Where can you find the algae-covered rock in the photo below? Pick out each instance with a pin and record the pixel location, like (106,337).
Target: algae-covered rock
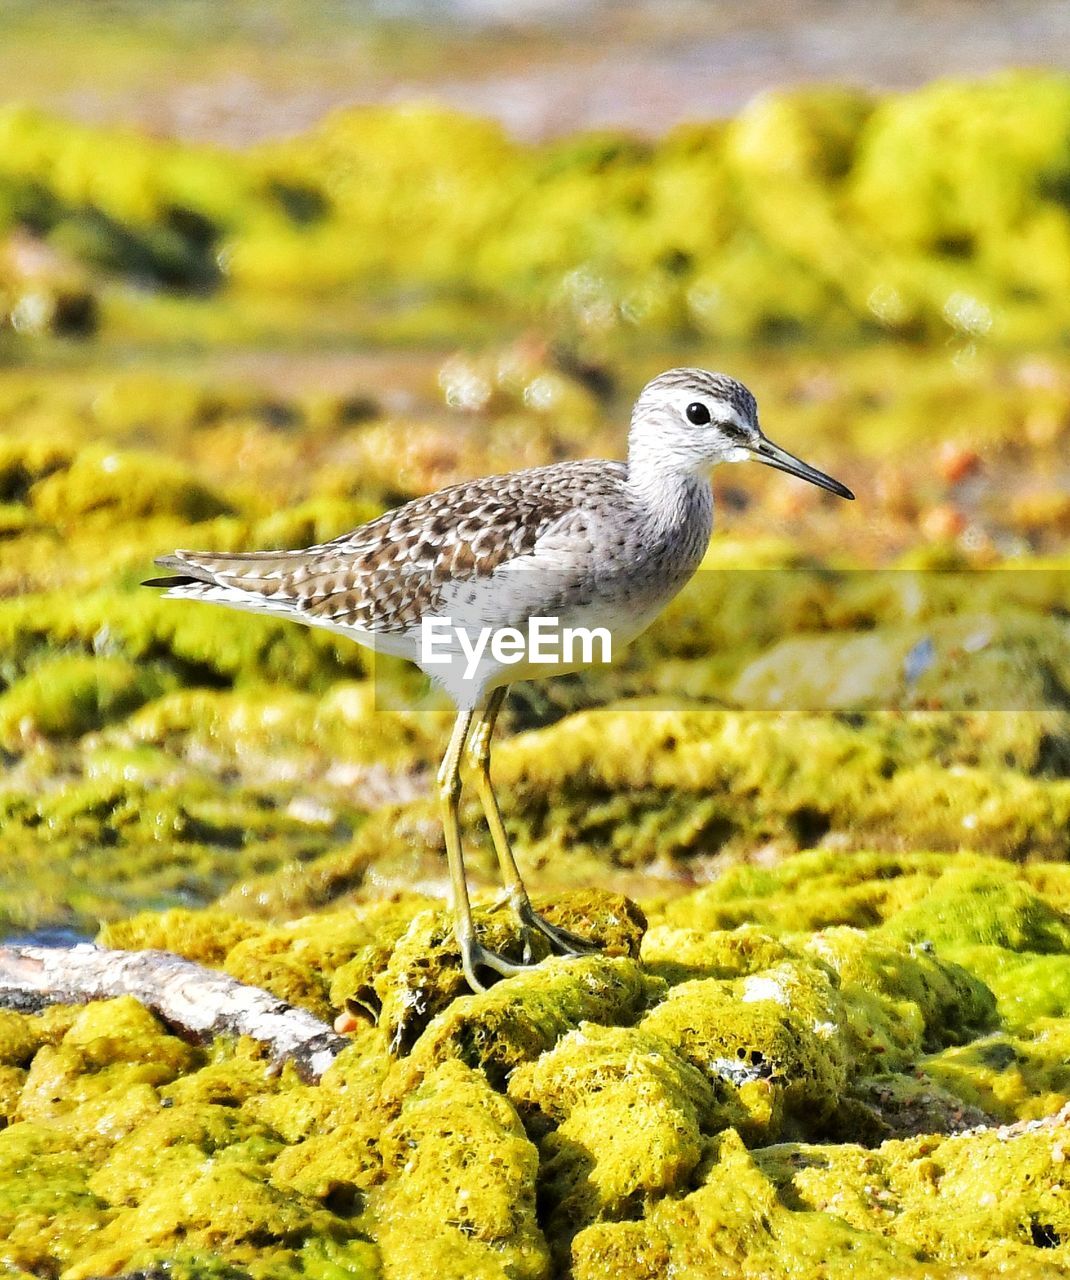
(993,1194)
(818,210)
(111,1048)
(48,1215)
(216,1206)
(592,1058)
(177,1142)
(517,1020)
(20,1037)
(621,1117)
(677,954)
(69,695)
(1009,1077)
(259,797)
(677,784)
(775,1035)
(987,661)
(735,1224)
(298,961)
(204,936)
(824,888)
(965,908)
(904,1105)
(221,645)
(459,1197)
(423,973)
(118,486)
(337,1160)
(934,1002)
(645,1114)
(912,1208)
(1027,987)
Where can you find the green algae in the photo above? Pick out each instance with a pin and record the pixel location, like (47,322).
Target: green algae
(1027,986)
(106,838)
(776,1035)
(143,626)
(119,485)
(603,1117)
(439,1211)
(765,1099)
(774,224)
(1021,664)
(506,1026)
(733,1222)
(1006,1076)
(967,908)
(67,696)
(793,1208)
(202,936)
(620,1117)
(298,961)
(681,783)
(423,973)
(862,890)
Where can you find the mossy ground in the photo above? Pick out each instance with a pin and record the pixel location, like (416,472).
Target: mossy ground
(764,1097)
(823,210)
(916,688)
(836,774)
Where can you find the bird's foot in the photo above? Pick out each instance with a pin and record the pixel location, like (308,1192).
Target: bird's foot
(474,956)
(561,940)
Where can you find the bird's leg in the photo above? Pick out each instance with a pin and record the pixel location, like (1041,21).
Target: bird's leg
(473,955)
(561,940)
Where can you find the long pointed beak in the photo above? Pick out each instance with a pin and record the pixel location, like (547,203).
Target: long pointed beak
(773,456)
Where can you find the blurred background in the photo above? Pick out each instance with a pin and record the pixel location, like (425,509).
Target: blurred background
(268,268)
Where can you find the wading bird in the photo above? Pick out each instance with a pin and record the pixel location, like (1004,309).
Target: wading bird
(597,544)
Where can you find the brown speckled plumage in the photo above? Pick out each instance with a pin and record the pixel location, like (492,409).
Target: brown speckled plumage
(385,575)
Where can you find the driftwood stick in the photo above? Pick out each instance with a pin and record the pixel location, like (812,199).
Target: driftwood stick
(198,1002)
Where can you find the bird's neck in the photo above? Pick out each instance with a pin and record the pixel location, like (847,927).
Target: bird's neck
(673,497)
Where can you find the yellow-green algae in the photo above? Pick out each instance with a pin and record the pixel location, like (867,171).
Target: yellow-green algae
(897,980)
(264,748)
(821,209)
(749,1105)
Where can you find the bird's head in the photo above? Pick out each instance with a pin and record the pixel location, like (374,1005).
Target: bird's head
(691,420)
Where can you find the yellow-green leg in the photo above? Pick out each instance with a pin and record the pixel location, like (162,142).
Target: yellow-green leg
(561,940)
(473,955)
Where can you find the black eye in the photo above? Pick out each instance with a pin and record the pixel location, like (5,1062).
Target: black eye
(698,414)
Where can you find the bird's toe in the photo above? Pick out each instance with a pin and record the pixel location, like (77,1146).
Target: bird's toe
(564,942)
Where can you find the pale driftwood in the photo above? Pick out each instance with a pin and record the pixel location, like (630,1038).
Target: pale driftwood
(200,1003)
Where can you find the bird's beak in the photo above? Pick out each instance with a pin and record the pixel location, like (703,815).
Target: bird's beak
(773,456)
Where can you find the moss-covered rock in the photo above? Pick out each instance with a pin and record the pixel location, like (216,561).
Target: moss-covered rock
(644,1113)
(621,1116)
(459,1196)
(967,908)
(259,798)
(67,696)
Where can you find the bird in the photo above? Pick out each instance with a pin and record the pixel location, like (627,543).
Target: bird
(588,543)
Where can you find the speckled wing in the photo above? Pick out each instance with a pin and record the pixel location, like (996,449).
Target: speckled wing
(382,577)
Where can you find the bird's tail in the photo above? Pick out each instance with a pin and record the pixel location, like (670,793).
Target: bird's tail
(223,576)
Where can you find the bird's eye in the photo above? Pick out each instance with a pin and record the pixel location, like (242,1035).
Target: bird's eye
(697,414)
